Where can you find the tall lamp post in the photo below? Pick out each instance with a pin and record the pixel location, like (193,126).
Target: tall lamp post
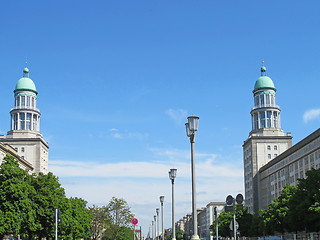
(157,233)
(152,230)
(172,175)
(155,227)
(161,201)
(191,128)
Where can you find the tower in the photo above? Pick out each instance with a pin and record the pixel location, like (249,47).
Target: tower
(24,135)
(266,140)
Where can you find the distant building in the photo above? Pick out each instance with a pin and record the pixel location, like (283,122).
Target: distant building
(24,135)
(205,219)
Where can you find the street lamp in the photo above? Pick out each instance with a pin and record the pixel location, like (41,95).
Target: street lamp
(152,230)
(161,201)
(157,232)
(155,227)
(172,175)
(191,128)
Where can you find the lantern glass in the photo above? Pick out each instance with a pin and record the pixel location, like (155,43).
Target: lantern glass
(193,123)
(188,130)
(172,173)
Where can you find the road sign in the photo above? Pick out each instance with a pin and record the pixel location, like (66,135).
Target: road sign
(229,200)
(231,225)
(134,221)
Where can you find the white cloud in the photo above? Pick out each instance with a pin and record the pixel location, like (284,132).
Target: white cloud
(178,115)
(115,133)
(311,115)
(141,183)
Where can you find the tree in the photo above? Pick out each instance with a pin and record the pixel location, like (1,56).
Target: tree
(50,195)
(224,220)
(76,220)
(179,235)
(17,210)
(120,219)
(100,220)
(277,214)
(305,206)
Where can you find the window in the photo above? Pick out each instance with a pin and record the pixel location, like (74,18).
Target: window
(261,100)
(269,156)
(23,101)
(256,121)
(22,157)
(28,101)
(22,149)
(15,122)
(16,149)
(275,119)
(256,101)
(22,121)
(18,101)
(269,147)
(275,147)
(28,121)
(272,100)
(262,120)
(32,102)
(275,155)
(269,119)
(268,99)
(34,122)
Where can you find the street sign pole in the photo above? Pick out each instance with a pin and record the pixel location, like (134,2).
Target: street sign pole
(56,223)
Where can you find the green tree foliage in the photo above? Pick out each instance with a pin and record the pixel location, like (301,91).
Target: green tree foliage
(120,218)
(27,204)
(277,214)
(16,208)
(304,212)
(100,221)
(179,235)
(76,220)
(50,195)
(224,220)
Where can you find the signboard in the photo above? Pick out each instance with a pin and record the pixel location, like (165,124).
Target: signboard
(134,221)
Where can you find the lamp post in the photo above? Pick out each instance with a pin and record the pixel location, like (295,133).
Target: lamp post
(191,128)
(157,232)
(172,175)
(161,201)
(152,230)
(155,227)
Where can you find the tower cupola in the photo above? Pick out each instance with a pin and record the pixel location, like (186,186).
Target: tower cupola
(25,116)
(265,113)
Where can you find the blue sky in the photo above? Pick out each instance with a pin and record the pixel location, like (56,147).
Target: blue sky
(117,80)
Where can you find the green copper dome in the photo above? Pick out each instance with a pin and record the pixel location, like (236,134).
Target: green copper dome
(25,83)
(264,82)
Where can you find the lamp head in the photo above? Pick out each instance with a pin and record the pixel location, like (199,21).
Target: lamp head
(161,199)
(157,211)
(172,173)
(193,122)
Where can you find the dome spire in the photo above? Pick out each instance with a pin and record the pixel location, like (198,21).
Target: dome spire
(26,71)
(263,70)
